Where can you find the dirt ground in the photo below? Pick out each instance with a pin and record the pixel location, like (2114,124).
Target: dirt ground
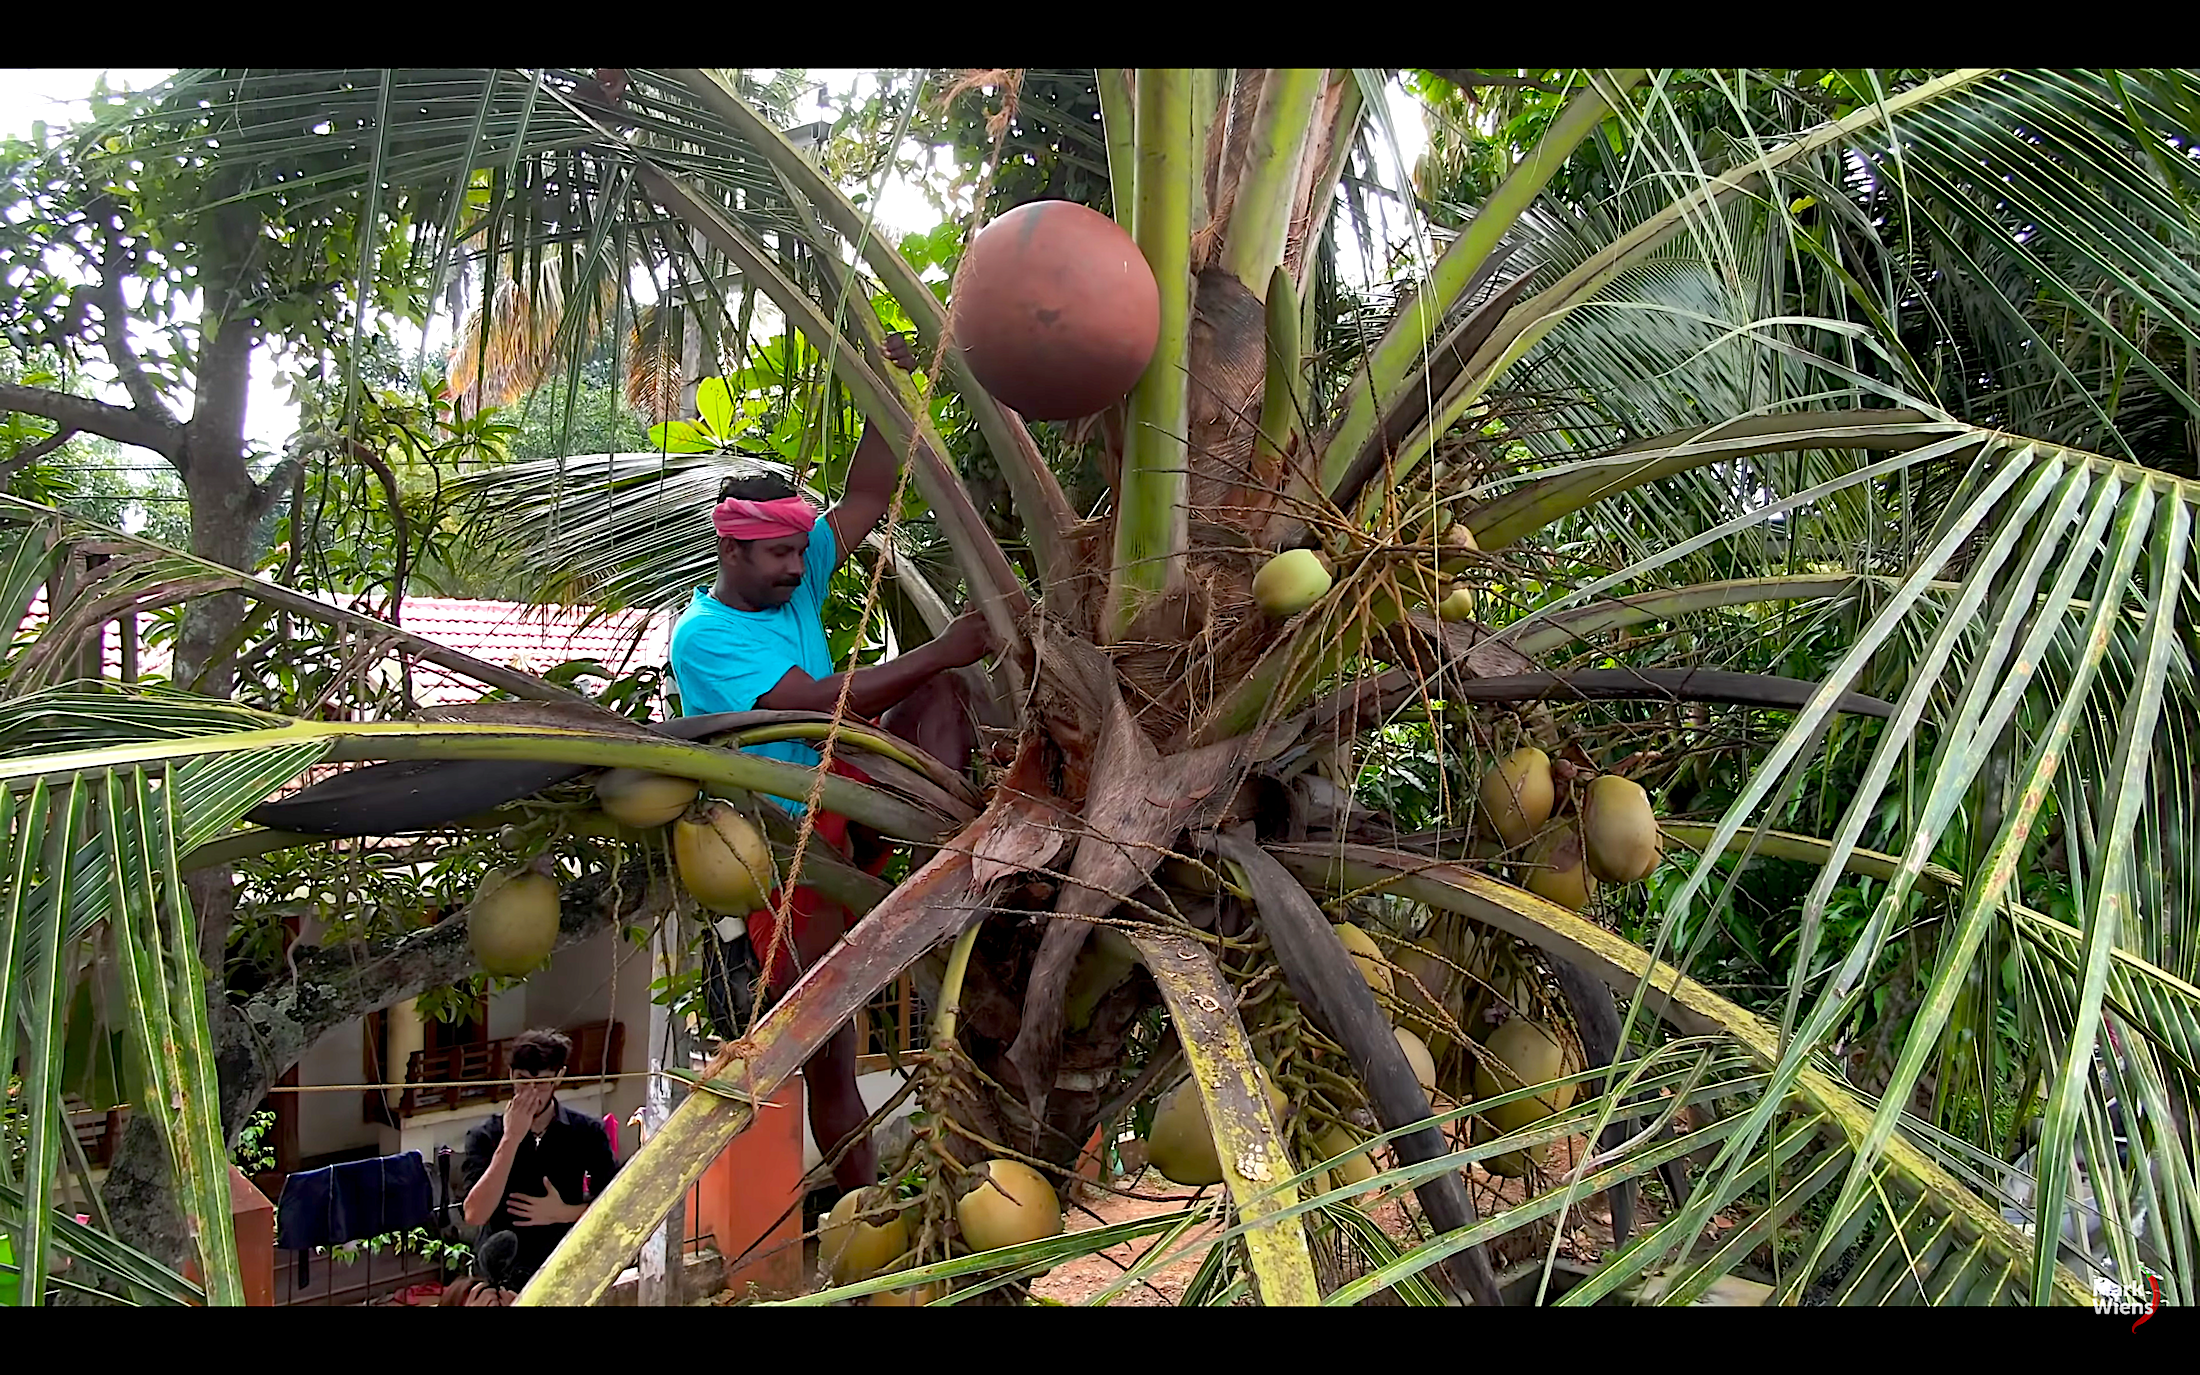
(1588,1232)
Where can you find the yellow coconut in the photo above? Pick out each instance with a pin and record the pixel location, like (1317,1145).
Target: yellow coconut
(854,1249)
(723,860)
(1366,954)
(1181,1145)
(1619,830)
(1009,1205)
(1459,537)
(512,923)
(1456,605)
(907,1298)
(1517,794)
(1555,870)
(643,800)
(1424,1064)
(1535,1056)
(1291,582)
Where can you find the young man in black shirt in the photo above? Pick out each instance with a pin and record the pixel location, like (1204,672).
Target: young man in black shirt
(526,1167)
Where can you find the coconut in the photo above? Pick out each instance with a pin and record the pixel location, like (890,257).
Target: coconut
(1424,1064)
(1505,1164)
(1106,961)
(1517,794)
(1534,1056)
(1619,830)
(1459,536)
(1511,990)
(854,1250)
(1555,870)
(1291,582)
(1367,955)
(1011,1204)
(906,1298)
(1356,1167)
(512,923)
(723,859)
(643,800)
(1181,1145)
(1456,605)
(1422,1016)
(1055,310)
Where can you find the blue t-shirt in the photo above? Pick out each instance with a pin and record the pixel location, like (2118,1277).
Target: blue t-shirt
(724,659)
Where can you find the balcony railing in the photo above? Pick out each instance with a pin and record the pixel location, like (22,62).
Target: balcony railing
(461,1076)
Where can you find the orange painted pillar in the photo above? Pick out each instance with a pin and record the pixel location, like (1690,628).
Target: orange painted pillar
(1092,1162)
(252,1216)
(750,1199)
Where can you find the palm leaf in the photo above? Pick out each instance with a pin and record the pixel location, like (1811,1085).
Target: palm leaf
(1922,1210)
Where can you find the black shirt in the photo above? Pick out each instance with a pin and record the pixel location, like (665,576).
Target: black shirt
(571,1146)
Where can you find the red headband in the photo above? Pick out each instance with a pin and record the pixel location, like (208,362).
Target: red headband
(735,518)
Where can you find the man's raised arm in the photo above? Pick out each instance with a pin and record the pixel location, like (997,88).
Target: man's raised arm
(871,474)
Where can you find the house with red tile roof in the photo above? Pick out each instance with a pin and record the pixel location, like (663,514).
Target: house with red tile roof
(533,639)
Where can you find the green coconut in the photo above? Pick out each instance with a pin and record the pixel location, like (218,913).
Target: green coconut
(1456,605)
(1505,1164)
(1619,830)
(1181,1145)
(1107,960)
(724,861)
(1291,582)
(1517,794)
(1010,1204)
(641,799)
(1357,1167)
(853,1249)
(512,923)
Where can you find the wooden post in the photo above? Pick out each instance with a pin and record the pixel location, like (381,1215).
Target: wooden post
(663,1263)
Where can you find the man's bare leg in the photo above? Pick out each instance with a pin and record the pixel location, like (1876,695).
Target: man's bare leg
(836,1107)
(934,719)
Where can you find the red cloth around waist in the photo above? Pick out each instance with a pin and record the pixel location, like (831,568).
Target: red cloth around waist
(781,967)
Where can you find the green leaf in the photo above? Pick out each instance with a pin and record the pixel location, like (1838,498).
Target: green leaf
(680,437)
(714,402)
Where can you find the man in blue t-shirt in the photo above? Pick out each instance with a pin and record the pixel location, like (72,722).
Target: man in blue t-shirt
(755,639)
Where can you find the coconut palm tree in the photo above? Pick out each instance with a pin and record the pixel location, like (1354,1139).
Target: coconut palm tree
(1677,421)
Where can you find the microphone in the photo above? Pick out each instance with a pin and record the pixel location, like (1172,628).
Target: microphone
(499,1257)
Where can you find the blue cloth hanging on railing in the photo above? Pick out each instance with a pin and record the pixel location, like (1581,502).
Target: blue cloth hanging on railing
(351,1202)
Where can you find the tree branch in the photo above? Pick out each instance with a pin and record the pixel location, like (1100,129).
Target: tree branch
(280,1023)
(31,453)
(124,424)
(105,291)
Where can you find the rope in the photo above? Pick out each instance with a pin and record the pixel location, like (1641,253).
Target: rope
(998,127)
(580,1082)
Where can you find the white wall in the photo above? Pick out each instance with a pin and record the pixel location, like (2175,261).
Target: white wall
(330,1122)
(578,986)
